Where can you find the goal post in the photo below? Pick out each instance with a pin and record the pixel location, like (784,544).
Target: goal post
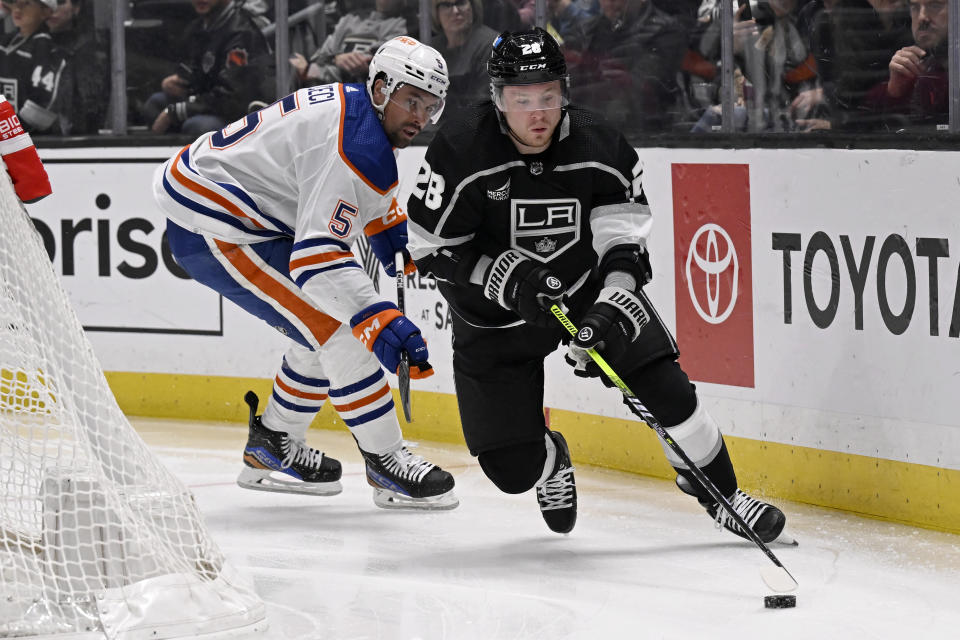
(97,538)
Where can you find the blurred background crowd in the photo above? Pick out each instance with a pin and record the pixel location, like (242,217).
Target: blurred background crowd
(649,66)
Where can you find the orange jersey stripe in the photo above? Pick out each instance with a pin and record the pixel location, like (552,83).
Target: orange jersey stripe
(319,258)
(207,193)
(370,399)
(296,392)
(343,156)
(320,324)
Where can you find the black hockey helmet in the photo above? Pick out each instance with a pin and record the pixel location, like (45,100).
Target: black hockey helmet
(526,57)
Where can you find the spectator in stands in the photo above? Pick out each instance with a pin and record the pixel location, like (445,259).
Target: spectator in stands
(526,13)
(624,64)
(917,90)
(504,15)
(852,41)
(225,67)
(85,80)
(30,65)
(346,53)
(685,11)
(6,21)
(565,17)
(464,43)
(776,62)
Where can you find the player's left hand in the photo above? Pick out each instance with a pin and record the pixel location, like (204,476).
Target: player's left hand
(609,326)
(387,235)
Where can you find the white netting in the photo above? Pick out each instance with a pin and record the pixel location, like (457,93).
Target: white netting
(96,536)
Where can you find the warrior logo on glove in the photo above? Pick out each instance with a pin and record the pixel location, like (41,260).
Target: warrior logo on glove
(585,334)
(554,282)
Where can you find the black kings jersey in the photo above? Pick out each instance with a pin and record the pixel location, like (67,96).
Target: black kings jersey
(30,71)
(476,196)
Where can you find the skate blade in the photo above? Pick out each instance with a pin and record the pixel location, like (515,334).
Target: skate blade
(786,539)
(386,499)
(264,480)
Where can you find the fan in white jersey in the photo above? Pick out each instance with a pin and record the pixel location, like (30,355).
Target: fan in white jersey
(265,212)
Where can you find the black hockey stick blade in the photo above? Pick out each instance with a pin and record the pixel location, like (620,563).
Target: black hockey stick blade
(403,377)
(776,577)
(403,371)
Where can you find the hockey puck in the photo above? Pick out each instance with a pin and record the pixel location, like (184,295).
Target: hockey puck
(780,602)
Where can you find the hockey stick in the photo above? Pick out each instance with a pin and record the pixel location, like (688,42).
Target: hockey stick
(778,578)
(403,372)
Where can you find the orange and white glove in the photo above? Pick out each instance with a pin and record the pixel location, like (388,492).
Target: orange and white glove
(26,171)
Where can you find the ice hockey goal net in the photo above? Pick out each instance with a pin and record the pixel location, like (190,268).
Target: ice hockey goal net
(97,538)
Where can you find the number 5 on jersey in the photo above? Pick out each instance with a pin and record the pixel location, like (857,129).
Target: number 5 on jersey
(430,186)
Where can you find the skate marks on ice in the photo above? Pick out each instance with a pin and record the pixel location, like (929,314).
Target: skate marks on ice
(644,561)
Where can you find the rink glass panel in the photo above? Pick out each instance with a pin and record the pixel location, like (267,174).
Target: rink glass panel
(662,83)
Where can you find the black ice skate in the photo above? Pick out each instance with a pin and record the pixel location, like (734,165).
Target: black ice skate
(273,461)
(557,494)
(403,480)
(766,520)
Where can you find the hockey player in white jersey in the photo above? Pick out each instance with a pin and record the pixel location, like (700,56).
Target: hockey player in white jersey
(265,212)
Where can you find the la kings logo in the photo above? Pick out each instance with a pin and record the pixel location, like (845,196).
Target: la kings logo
(544,229)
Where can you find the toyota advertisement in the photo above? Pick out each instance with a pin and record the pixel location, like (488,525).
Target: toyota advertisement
(712,266)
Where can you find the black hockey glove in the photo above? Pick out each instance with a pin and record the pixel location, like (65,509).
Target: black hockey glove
(609,326)
(524,287)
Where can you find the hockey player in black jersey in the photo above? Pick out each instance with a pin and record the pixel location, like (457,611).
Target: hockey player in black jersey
(547,206)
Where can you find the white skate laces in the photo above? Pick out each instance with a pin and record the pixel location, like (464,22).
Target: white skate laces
(405,465)
(557,491)
(297,452)
(750,509)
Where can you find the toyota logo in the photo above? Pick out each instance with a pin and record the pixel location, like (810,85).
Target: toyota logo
(719,255)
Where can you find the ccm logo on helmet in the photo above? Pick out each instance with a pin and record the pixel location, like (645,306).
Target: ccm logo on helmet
(533,67)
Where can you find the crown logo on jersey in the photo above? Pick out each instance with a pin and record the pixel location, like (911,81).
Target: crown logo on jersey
(545,245)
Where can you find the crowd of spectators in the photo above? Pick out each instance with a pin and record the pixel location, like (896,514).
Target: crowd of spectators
(649,66)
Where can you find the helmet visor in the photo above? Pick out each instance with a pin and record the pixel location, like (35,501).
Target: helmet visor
(429,107)
(531,97)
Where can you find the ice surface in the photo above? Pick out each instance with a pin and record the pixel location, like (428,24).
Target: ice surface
(644,561)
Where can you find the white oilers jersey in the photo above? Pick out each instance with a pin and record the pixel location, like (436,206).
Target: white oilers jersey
(315,166)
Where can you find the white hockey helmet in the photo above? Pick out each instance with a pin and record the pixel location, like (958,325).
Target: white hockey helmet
(405,60)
